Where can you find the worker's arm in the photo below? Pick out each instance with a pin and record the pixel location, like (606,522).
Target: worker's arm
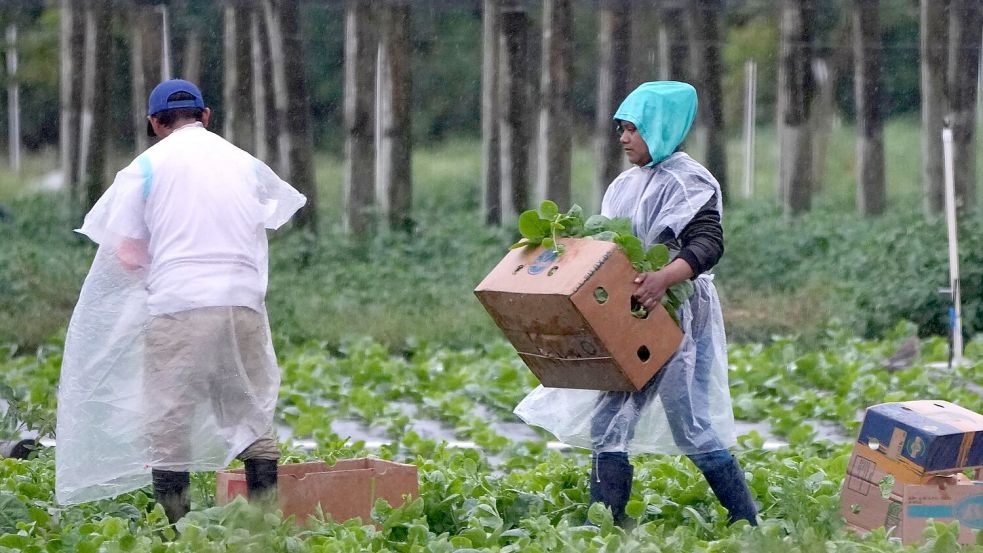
(132,254)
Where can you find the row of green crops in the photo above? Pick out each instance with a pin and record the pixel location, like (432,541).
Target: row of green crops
(511,494)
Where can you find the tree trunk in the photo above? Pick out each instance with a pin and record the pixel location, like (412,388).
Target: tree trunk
(278,72)
(934,39)
(867,43)
(555,115)
(674,54)
(144,66)
(13,98)
(230,74)
(613,64)
(192,56)
(260,66)
(709,70)
(72,43)
(794,98)
(360,140)
(642,53)
(515,112)
(237,78)
(490,139)
(297,123)
(966,31)
(95,100)
(394,184)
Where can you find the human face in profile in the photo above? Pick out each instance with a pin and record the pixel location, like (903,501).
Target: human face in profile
(631,140)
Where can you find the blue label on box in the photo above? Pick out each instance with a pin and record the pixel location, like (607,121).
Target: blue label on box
(543,262)
(927,440)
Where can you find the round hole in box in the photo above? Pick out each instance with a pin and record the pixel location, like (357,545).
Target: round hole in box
(600,295)
(553,269)
(517,269)
(638,310)
(644,354)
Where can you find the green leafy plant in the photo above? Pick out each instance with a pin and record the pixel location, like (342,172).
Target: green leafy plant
(545,226)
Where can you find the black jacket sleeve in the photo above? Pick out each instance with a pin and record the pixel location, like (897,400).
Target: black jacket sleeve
(702,240)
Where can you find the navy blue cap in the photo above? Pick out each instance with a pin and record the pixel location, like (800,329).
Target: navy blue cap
(158,98)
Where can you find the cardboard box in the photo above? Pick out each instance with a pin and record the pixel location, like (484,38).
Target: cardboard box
(569,316)
(345,490)
(928,437)
(907,507)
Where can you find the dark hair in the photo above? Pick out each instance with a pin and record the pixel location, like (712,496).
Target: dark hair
(168,117)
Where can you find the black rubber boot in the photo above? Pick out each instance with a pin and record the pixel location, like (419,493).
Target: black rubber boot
(261,478)
(610,483)
(728,483)
(171,490)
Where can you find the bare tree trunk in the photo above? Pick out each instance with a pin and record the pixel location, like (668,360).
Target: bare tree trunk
(394,179)
(643,28)
(278,71)
(95,111)
(966,28)
(673,32)
(515,109)
(230,74)
(13,98)
(360,140)
(555,116)
(260,63)
(490,139)
(709,70)
(794,99)
(613,64)
(192,56)
(934,39)
(72,63)
(297,123)
(867,43)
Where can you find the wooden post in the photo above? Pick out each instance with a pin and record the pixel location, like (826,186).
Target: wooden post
(708,66)
(750,120)
(613,68)
(515,110)
(259,63)
(360,56)
(279,78)
(230,73)
(297,123)
(555,115)
(95,111)
(934,55)
(490,142)
(72,47)
(867,43)
(394,185)
(966,29)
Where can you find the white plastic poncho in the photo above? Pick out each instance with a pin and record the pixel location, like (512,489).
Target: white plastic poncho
(168,201)
(687,408)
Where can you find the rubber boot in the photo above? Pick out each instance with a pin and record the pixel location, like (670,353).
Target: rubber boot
(726,479)
(171,490)
(261,479)
(610,483)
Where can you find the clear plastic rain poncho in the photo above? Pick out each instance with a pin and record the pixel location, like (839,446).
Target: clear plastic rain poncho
(686,408)
(135,393)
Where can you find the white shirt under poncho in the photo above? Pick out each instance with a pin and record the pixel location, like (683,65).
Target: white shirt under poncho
(667,195)
(198,207)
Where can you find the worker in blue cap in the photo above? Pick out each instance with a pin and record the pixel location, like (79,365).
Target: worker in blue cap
(168,366)
(670,199)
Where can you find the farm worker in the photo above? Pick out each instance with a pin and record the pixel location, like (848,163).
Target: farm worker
(673,200)
(168,365)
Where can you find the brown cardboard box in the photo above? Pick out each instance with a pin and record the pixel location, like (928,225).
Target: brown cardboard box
(345,490)
(569,316)
(912,499)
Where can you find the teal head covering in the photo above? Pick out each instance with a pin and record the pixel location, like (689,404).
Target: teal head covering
(663,112)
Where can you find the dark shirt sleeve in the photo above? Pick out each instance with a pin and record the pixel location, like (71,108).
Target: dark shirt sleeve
(702,240)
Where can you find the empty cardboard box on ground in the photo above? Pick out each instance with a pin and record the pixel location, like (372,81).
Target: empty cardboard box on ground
(345,490)
(570,316)
(899,440)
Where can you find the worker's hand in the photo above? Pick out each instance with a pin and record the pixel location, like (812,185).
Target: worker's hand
(651,287)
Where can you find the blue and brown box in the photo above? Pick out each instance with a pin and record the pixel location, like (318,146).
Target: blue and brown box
(925,437)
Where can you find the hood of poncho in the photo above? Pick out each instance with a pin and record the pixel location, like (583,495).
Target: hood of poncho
(663,112)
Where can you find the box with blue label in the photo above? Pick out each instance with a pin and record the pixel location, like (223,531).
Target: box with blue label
(925,437)
(570,316)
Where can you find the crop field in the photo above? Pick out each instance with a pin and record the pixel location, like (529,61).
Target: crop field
(509,491)
(384,351)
